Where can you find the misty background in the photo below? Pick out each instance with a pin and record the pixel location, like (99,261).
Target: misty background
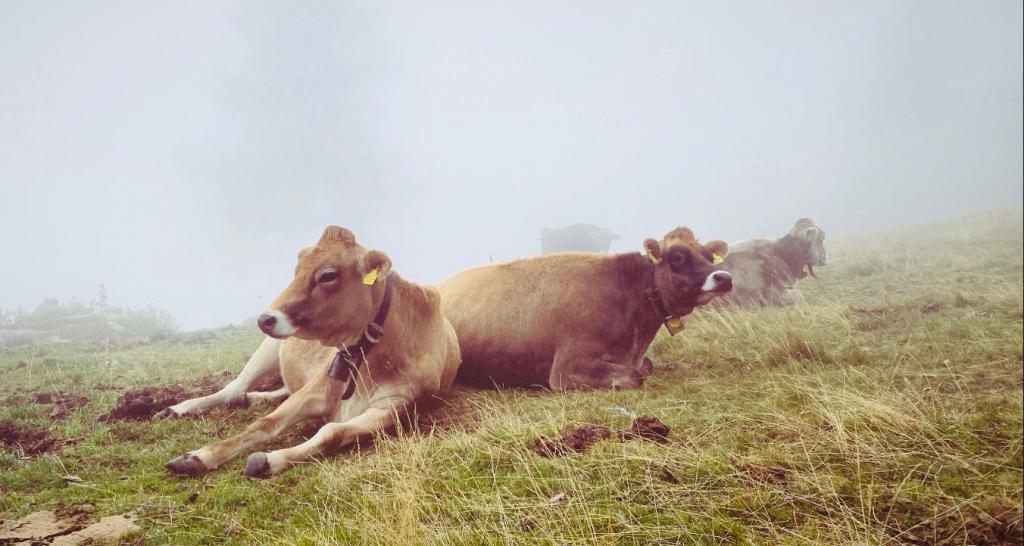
(182,152)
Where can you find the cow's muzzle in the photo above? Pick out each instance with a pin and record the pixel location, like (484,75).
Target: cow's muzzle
(275,324)
(718,282)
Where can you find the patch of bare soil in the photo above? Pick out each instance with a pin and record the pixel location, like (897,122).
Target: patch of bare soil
(871,310)
(971,527)
(68,526)
(580,439)
(142,404)
(268,383)
(648,428)
(28,440)
(573,441)
(878,311)
(910,523)
(63,403)
(772,475)
(998,527)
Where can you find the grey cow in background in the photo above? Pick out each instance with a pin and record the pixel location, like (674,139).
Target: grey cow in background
(576,238)
(766,271)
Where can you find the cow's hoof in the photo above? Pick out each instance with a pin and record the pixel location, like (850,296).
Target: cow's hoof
(647,368)
(166,413)
(632,381)
(187,465)
(257,466)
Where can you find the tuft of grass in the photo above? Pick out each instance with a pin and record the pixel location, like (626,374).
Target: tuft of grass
(865,415)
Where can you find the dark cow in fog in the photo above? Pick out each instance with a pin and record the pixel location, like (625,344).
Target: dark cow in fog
(578,320)
(576,238)
(765,271)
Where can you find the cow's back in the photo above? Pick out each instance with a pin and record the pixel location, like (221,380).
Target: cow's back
(510,317)
(755,276)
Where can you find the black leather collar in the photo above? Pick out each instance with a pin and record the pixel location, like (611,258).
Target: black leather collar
(672,323)
(347,360)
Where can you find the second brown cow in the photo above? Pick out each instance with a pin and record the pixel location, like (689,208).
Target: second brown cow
(578,320)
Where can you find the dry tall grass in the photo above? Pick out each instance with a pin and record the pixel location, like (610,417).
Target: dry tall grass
(884,409)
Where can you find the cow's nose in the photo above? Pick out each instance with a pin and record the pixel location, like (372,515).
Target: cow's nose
(267,322)
(723,280)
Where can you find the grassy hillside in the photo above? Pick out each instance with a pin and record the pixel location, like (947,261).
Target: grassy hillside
(885,409)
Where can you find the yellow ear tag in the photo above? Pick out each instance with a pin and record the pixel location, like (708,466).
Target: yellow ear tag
(370,277)
(652,258)
(674,325)
(717,260)
(807,269)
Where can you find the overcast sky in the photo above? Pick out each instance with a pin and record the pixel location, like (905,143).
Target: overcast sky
(182,152)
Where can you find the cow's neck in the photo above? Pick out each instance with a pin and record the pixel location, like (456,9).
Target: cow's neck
(794,254)
(352,356)
(646,317)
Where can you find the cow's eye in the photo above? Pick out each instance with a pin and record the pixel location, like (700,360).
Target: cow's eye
(327,275)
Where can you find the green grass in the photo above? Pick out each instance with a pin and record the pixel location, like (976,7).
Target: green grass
(890,425)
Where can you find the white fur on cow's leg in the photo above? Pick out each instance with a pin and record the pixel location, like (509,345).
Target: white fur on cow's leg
(330,438)
(792,296)
(263,397)
(586,372)
(309,401)
(263,362)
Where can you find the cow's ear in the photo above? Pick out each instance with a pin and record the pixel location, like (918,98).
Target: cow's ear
(653,249)
(303,251)
(375,266)
(719,248)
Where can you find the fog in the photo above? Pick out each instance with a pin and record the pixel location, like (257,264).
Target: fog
(182,152)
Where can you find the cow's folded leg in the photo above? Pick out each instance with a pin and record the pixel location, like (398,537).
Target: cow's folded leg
(328,440)
(309,401)
(263,363)
(581,373)
(646,367)
(265,397)
(792,296)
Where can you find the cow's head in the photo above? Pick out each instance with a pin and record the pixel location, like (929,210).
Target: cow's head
(331,297)
(803,247)
(685,271)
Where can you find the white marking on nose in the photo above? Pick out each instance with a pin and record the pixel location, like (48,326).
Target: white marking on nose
(283,327)
(713,282)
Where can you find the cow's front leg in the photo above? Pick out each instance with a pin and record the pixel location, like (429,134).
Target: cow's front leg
(792,296)
(263,363)
(267,397)
(314,399)
(328,440)
(579,370)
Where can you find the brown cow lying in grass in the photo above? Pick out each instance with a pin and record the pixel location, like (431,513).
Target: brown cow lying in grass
(765,272)
(340,297)
(577,320)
